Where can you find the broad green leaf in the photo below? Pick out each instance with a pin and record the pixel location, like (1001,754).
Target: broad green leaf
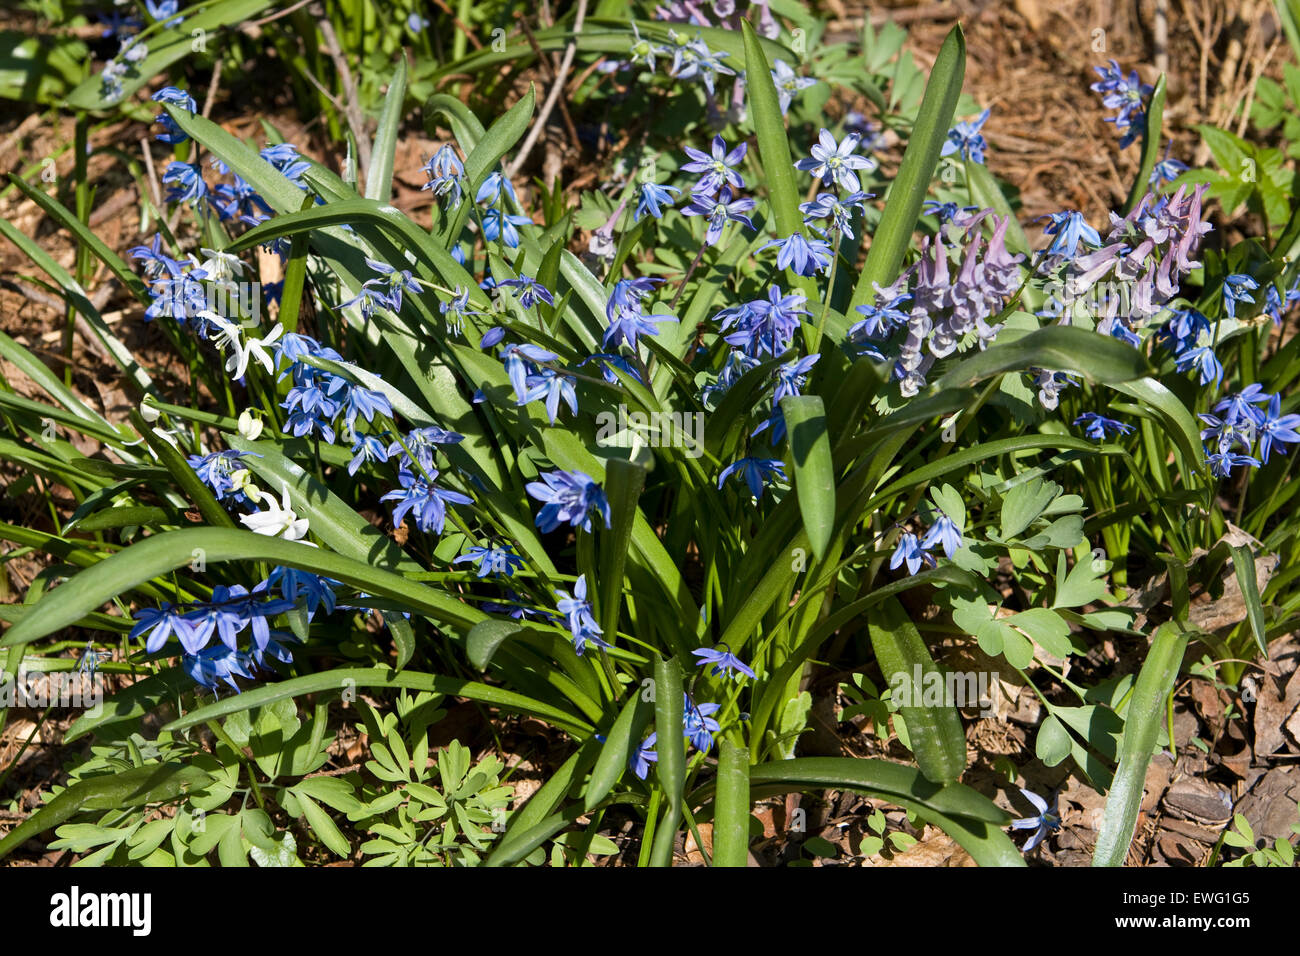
(814,473)
(731,807)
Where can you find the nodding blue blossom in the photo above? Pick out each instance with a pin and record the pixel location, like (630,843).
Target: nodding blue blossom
(419,496)
(164,11)
(863,128)
(881,319)
(285,158)
(494,187)
(718,212)
(627,320)
(1124,94)
(367,448)
(1046,821)
(493,560)
(757,473)
(185,184)
(216,665)
(692,59)
(723,661)
(1097,427)
(1222,463)
(518,360)
(699,725)
(530,291)
(305,589)
(652,197)
(834,163)
(422,443)
(718,169)
(552,387)
(946,211)
(911,552)
(792,376)
(161,623)
(172,133)
(838,211)
(446,173)
(231,610)
(1203,361)
(765,325)
(1050,385)
(608,363)
(1236,289)
(1069,228)
(806,257)
(645,755)
(156,262)
(577,614)
(1183,331)
(967,140)
(1277,429)
(788,83)
(946,533)
(570,497)
(383,291)
(499,225)
(215,471)
(455,310)
(1276,303)
(1166,171)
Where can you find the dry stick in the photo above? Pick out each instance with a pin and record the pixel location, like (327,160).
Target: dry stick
(1160,36)
(1254,80)
(149,170)
(556,89)
(352,110)
(249,27)
(460,25)
(212,89)
(550,70)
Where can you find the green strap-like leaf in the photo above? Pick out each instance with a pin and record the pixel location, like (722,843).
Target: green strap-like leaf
(1141,730)
(379,177)
(671,765)
(731,807)
(814,473)
(907,194)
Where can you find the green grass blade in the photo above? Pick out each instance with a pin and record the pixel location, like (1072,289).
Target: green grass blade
(731,807)
(379,177)
(671,765)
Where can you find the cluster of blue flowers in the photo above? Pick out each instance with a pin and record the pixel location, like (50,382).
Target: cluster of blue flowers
(232,610)
(914,552)
(1126,94)
(1248,421)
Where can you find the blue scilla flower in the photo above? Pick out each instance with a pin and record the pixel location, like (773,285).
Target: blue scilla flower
(1244,405)
(1183,331)
(285,158)
(1222,463)
(160,623)
(305,589)
(766,325)
(756,473)
(494,186)
(1044,822)
(367,448)
(456,310)
(1204,362)
(835,163)
(946,533)
(1069,229)
(911,552)
(552,387)
(838,211)
(499,225)
(645,755)
(805,256)
(445,172)
(652,199)
(1124,94)
(723,661)
(1228,434)
(215,469)
(579,618)
(792,376)
(156,262)
(967,140)
(718,212)
(882,318)
(423,499)
(788,83)
(423,443)
(608,363)
(518,361)
(1277,429)
(569,497)
(1097,427)
(718,168)
(172,133)
(699,724)
(185,184)
(530,291)
(216,665)
(493,560)
(1237,288)
(1166,171)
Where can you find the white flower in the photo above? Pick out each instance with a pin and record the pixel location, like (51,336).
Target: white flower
(249,426)
(221,266)
(278,520)
(149,413)
(237,363)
